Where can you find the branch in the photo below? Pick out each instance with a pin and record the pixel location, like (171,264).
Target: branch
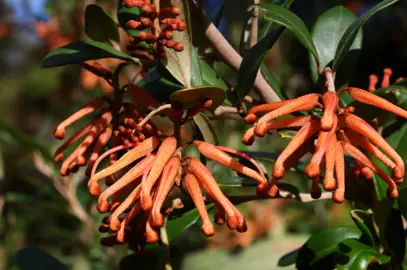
(233,59)
(254,25)
(301,197)
(330,84)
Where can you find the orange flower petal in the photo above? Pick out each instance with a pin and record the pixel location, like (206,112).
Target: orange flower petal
(164,153)
(86,109)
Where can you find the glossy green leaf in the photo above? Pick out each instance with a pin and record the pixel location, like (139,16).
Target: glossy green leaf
(159,85)
(289,258)
(252,60)
(178,225)
(203,74)
(357,256)
(365,222)
(196,75)
(35,259)
(206,128)
(350,34)
(321,248)
(99,26)
(179,64)
(271,80)
(288,19)
(326,34)
(78,52)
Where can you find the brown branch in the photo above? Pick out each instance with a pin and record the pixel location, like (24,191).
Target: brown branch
(233,59)
(254,25)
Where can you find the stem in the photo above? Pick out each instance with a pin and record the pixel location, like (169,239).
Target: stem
(153,112)
(233,59)
(330,82)
(177,131)
(166,244)
(254,24)
(157,28)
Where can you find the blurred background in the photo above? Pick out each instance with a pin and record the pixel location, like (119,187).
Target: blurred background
(40,209)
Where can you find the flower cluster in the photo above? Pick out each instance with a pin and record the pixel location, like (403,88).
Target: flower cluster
(152,169)
(337,132)
(160,35)
(97,133)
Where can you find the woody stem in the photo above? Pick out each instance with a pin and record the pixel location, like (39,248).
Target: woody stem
(157,28)
(166,244)
(153,112)
(117,95)
(330,81)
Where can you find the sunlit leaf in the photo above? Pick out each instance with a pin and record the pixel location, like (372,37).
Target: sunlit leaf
(179,64)
(326,34)
(288,19)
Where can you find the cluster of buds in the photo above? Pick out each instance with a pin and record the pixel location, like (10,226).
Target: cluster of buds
(138,206)
(337,132)
(159,34)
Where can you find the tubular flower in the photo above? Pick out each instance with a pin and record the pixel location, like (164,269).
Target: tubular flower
(95,135)
(337,132)
(158,34)
(373,79)
(153,167)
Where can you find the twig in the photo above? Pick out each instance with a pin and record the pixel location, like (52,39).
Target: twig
(67,188)
(166,243)
(233,59)
(302,197)
(254,25)
(153,112)
(330,84)
(157,28)
(225,110)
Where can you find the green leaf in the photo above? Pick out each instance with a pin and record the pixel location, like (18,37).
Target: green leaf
(288,19)
(326,34)
(179,64)
(357,256)
(289,258)
(251,62)
(206,128)
(178,225)
(203,74)
(35,259)
(350,34)
(320,249)
(99,26)
(196,75)
(271,79)
(159,85)
(365,222)
(78,52)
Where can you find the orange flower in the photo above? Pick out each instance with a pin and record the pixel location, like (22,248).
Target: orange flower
(156,166)
(338,131)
